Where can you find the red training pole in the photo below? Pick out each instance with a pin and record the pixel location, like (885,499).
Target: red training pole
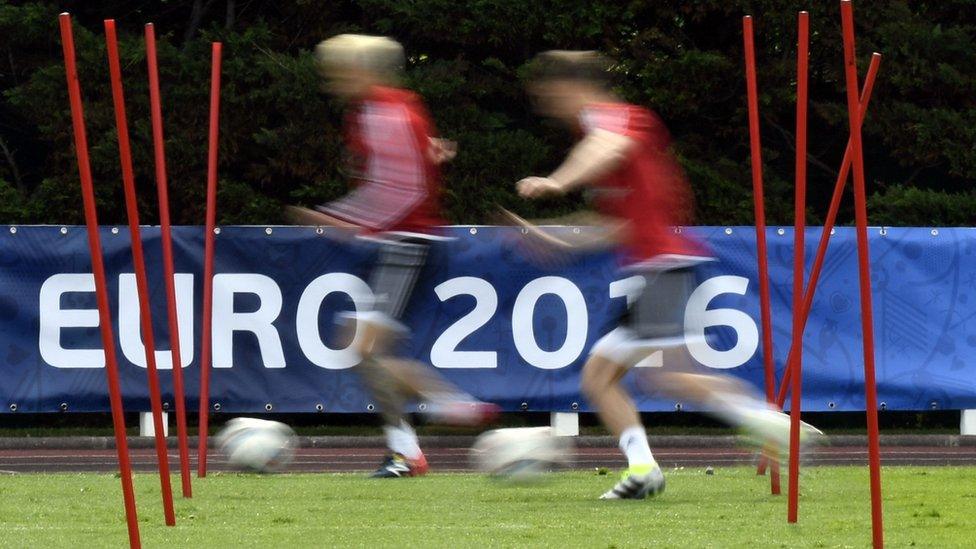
(829,224)
(799,225)
(101,287)
(208,258)
(162,190)
(818,260)
(139,265)
(760,212)
(863,257)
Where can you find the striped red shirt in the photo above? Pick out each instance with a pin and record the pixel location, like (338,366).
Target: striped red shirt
(398,190)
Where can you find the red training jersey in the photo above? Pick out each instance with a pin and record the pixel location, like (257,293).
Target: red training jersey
(388,133)
(648,189)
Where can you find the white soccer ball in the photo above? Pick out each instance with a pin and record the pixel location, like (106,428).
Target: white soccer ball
(520,454)
(257,445)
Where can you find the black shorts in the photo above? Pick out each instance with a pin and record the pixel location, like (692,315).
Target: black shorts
(658,313)
(655,315)
(400,261)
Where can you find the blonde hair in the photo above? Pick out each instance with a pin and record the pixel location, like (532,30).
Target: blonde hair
(377,54)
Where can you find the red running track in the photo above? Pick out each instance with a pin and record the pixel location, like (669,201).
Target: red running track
(456,459)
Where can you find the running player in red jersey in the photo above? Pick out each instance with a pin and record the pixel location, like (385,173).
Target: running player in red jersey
(641,194)
(390,141)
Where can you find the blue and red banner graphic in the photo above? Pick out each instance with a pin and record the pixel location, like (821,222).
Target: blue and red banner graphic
(490,319)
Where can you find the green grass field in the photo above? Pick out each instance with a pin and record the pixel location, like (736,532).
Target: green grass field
(925,507)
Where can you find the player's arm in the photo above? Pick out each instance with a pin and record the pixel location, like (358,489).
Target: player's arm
(611,231)
(597,154)
(305,216)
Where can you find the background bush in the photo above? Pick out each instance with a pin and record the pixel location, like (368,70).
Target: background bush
(280,133)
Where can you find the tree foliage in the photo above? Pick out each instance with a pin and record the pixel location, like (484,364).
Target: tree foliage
(280,136)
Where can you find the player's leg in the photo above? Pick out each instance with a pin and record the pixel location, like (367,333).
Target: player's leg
(659,315)
(601,383)
(654,319)
(736,403)
(445,402)
(398,380)
(405,458)
(391,281)
(402,262)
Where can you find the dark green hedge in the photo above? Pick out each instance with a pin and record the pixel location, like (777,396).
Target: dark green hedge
(279,133)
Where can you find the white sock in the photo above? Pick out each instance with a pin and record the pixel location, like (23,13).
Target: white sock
(403,440)
(633,443)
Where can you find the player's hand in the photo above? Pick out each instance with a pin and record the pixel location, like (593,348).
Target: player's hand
(536,187)
(534,243)
(441,150)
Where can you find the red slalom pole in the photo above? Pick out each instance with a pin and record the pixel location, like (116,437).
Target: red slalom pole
(829,222)
(831,218)
(208,259)
(139,265)
(799,225)
(864,271)
(162,190)
(760,213)
(101,287)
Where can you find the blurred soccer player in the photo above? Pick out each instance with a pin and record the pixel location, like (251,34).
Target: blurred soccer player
(389,138)
(640,194)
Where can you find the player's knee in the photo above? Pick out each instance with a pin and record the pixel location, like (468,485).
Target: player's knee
(371,343)
(364,351)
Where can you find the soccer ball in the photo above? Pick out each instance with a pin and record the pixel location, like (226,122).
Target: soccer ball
(257,445)
(520,454)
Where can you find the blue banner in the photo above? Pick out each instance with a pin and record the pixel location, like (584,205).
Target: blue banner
(500,326)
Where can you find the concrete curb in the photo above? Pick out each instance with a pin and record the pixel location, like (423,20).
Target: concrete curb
(453,441)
